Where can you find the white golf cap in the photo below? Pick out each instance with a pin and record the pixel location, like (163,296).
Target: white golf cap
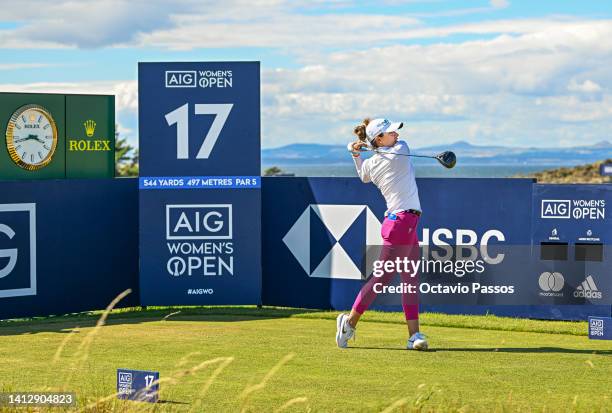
(378,126)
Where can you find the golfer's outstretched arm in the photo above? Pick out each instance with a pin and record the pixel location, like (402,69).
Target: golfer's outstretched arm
(362,169)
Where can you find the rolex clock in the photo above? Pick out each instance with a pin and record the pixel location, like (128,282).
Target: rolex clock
(31,137)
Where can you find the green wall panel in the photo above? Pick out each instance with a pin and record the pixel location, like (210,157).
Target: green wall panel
(90,136)
(55,105)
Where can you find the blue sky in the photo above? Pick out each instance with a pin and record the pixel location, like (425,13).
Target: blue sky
(517,73)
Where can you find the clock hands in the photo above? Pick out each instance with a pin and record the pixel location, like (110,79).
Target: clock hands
(29,137)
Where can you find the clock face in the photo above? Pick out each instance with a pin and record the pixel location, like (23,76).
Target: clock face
(31,137)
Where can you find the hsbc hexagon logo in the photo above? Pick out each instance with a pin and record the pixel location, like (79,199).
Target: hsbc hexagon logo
(342,223)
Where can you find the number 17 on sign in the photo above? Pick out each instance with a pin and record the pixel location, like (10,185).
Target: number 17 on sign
(180,118)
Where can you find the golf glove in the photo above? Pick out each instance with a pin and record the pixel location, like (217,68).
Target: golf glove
(352,150)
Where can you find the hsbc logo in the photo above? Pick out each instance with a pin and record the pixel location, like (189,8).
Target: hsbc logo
(17,250)
(331,259)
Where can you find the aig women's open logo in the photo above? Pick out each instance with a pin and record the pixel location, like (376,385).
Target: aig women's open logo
(201,78)
(17,250)
(199,240)
(575,208)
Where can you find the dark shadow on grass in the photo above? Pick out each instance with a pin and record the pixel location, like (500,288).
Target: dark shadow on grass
(66,323)
(498,350)
(387,348)
(529,350)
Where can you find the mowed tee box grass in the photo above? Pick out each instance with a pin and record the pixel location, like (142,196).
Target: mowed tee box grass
(249,359)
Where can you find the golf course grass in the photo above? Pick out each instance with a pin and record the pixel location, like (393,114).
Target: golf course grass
(271,359)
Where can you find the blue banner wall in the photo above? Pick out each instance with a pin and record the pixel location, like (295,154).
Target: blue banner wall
(71,246)
(572,249)
(194,266)
(315,230)
(287,280)
(200,201)
(62,250)
(199,118)
(307,262)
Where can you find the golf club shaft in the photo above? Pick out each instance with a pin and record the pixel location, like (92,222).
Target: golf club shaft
(405,154)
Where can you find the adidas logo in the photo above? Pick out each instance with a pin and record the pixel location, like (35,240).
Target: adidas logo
(587,289)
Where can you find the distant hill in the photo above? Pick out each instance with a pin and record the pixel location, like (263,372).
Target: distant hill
(582,174)
(467,154)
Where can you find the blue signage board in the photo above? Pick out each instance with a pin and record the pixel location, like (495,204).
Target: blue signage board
(555,241)
(138,385)
(199,182)
(200,247)
(605,169)
(600,328)
(318,233)
(199,118)
(572,238)
(47,232)
(200,185)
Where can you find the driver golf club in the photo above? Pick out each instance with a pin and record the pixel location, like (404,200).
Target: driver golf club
(447,158)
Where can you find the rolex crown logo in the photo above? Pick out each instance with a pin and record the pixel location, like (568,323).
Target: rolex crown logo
(90,127)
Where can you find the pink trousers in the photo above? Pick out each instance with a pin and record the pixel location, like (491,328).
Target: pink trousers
(399,240)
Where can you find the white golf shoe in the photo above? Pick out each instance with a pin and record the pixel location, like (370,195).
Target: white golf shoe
(417,342)
(344,331)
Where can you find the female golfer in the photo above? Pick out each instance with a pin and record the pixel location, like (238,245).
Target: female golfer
(394,177)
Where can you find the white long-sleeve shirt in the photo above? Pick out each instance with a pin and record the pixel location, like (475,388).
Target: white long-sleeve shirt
(393,175)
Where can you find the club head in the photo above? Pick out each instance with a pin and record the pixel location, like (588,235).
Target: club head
(447,159)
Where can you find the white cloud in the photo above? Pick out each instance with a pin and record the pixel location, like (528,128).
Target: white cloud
(588,86)
(185,24)
(537,80)
(541,62)
(124,130)
(278,30)
(189,24)
(511,89)
(574,109)
(86,23)
(126,92)
(499,4)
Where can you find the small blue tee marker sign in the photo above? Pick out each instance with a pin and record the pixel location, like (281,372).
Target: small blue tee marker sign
(138,385)
(600,328)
